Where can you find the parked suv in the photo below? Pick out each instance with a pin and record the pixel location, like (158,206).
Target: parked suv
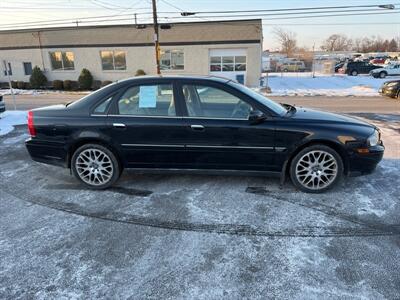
(389,70)
(293,66)
(2,105)
(358,67)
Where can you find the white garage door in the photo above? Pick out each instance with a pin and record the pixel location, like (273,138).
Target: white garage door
(229,63)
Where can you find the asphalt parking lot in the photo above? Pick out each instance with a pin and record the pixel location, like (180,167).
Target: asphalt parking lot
(196,236)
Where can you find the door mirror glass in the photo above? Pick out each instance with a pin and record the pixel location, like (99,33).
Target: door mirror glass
(256,117)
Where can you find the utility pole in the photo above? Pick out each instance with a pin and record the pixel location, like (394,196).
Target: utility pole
(7,71)
(156,42)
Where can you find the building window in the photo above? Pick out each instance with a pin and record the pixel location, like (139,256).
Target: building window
(227,63)
(172,60)
(113,60)
(62,60)
(8,69)
(27,68)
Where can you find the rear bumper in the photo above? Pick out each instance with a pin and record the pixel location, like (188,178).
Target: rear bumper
(362,164)
(2,108)
(51,153)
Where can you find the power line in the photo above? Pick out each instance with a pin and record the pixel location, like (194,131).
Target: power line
(383,6)
(100,19)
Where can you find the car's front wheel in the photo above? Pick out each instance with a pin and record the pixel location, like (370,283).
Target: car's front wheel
(316,169)
(95,166)
(354,73)
(382,74)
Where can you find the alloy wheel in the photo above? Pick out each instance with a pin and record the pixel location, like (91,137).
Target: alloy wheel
(316,169)
(94,167)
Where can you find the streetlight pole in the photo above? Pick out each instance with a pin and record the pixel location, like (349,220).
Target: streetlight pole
(156,42)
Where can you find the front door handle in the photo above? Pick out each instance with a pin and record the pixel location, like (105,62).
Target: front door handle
(197,127)
(119,125)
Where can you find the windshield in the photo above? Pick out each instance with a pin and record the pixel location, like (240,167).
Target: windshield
(275,107)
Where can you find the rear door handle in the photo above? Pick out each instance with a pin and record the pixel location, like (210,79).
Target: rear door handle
(197,127)
(119,125)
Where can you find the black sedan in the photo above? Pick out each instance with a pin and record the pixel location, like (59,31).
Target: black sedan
(201,124)
(391,89)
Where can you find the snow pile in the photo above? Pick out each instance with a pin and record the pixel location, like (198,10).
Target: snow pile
(9,119)
(303,84)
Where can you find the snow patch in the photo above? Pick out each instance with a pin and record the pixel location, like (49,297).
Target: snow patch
(335,85)
(9,119)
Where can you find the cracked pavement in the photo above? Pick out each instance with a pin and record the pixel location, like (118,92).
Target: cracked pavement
(196,236)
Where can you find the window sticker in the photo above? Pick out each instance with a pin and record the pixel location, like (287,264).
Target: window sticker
(148,96)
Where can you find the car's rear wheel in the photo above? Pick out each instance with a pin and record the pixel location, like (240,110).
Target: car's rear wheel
(382,74)
(95,166)
(316,169)
(354,73)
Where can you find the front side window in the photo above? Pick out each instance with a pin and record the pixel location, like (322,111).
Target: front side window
(113,60)
(147,100)
(62,60)
(227,63)
(211,102)
(172,60)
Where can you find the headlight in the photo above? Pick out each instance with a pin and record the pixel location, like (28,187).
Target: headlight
(392,84)
(373,140)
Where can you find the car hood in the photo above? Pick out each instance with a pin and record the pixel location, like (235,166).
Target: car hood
(312,115)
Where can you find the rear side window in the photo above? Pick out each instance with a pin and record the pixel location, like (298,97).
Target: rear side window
(102,108)
(147,100)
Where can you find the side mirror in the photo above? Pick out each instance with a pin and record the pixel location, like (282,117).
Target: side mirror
(256,117)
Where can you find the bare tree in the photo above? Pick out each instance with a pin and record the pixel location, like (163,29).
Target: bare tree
(393,46)
(337,42)
(287,40)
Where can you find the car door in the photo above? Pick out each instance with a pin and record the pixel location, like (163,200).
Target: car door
(219,134)
(146,125)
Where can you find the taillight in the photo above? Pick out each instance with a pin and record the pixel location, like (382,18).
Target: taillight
(31,126)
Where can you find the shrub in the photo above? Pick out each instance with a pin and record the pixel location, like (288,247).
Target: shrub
(67,84)
(140,72)
(14,84)
(85,79)
(106,82)
(21,85)
(58,84)
(96,84)
(37,78)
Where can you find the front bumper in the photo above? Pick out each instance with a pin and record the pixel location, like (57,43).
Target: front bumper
(388,92)
(47,152)
(362,164)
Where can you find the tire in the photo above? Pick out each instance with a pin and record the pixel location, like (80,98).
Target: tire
(354,73)
(307,174)
(95,166)
(398,95)
(382,74)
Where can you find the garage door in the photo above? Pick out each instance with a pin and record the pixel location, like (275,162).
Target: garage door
(229,63)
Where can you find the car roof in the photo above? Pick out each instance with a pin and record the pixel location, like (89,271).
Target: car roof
(186,77)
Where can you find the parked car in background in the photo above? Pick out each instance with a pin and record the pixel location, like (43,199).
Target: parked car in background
(2,105)
(208,124)
(354,68)
(390,89)
(389,70)
(338,66)
(378,60)
(293,66)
